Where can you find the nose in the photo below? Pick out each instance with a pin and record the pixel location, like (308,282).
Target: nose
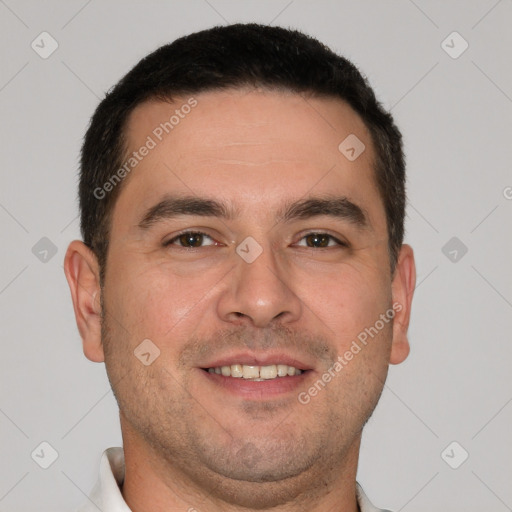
(259,293)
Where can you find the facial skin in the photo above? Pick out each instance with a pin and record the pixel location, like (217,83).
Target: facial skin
(189,440)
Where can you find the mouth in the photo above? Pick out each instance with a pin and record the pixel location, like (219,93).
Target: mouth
(258,379)
(255,373)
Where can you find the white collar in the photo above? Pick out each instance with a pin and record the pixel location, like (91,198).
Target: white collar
(107,496)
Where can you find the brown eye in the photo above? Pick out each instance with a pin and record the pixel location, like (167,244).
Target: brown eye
(317,240)
(191,240)
(320,241)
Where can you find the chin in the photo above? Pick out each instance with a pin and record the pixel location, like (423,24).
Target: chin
(259,487)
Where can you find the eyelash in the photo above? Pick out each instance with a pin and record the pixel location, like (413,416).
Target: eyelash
(338,242)
(170,242)
(318,233)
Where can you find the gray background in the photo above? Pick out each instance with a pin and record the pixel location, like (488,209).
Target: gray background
(455,114)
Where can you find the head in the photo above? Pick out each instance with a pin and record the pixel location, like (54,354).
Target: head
(224,58)
(242,198)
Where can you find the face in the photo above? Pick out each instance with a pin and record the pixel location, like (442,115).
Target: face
(246,243)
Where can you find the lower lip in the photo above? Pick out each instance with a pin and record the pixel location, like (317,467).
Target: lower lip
(258,390)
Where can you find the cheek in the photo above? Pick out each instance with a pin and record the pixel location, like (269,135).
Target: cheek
(348,300)
(152,301)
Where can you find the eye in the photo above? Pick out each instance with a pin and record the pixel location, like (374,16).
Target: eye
(320,241)
(191,240)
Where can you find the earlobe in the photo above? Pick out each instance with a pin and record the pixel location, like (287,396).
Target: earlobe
(82,273)
(404,282)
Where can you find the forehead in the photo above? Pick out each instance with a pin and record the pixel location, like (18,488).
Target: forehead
(247,146)
(241,118)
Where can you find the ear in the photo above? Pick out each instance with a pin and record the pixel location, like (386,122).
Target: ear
(403,284)
(82,272)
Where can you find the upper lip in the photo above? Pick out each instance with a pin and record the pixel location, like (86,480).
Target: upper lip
(259,359)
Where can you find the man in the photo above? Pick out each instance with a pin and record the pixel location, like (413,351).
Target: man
(242,273)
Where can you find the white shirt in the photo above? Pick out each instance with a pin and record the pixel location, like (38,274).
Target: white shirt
(107,496)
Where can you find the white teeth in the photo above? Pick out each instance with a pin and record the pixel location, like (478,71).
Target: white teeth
(256,373)
(282,370)
(251,372)
(268,372)
(236,370)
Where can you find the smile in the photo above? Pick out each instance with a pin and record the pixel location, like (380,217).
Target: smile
(255,373)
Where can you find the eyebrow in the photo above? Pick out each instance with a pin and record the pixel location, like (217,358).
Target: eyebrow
(170,207)
(339,207)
